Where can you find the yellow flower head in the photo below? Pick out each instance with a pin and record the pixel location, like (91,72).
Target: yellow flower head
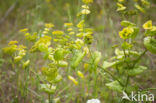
(49,25)
(87,1)
(23,30)
(17,59)
(71,33)
(69,29)
(57,32)
(85,11)
(21,47)
(68,24)
(12,42)
(85,6)
(79,42)
(81,24)
(73,80)
(126,32)
(148,24)
(10,49)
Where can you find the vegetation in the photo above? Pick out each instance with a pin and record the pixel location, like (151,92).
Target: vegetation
(77,51)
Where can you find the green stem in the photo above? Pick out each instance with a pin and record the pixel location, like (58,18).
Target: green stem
(135,62)
(115,78)
(49,97)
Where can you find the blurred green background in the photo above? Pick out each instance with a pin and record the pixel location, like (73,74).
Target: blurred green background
(33,14)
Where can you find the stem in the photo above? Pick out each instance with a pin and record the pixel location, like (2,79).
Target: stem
(149,89)
(49,97)
(135,62)
(112,75)
(115,78)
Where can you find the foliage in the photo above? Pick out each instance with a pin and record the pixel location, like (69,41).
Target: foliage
(71,50)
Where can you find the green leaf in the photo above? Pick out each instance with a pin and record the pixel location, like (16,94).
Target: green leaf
(114,86)
(59,54)
(62,63)
(137,70)
(77,59)
(150,44)
(141,9)
(42,47)
(96,56)
(108,64)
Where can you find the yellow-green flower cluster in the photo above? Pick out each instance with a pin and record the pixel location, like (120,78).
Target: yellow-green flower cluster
(85,10)
(85,33)
(49,25)
(60,37)
(28,36)
(57,32)
(69,28)
(87,1)
(42,44)
(129,31)
(57,48)
(139,6)
(13,49)
(126,32)
(79,43)
(47,28)
(24,30)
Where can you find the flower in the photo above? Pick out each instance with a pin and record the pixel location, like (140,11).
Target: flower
(126,32)
(93,101)
(57,32)
(85,11)
(49,25)
(12,42)
(148,25)
(68,24)
(88,1)
(85,6)
(71,33)
(69,29)
(24,30)
(81,24)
